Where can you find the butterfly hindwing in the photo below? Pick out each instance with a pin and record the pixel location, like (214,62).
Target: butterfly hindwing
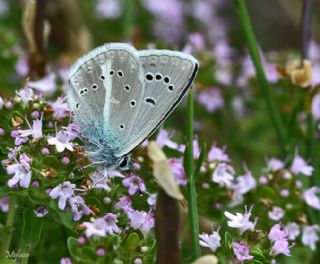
(167,76)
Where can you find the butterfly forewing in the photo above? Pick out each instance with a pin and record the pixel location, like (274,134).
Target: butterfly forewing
(167,76)
(105,89)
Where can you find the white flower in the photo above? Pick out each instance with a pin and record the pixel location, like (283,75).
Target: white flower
(1,102)
(102,226)
(61,141)
(237,199)
(244,183)
(299,165)
(64,191)
(26,95)
(275,164)
(223,174)
(141,220)
(217,154)
(210,241)
(100,181)
(310,236)
(241,221)
(311,198)
(276,214)
(46,85)
(22,172)
(293,230)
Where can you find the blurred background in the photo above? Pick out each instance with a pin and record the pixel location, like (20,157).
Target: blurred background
(39,43)
(209,29)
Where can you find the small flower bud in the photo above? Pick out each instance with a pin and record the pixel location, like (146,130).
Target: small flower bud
(82,240)
(35,184)
(106,200)
(65,160)
(9,105)
(45,151)
(144,249)
(35,114)
(137,261)
(17,99)
(100,252)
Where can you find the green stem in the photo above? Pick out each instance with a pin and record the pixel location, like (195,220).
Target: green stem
(128,19)
(191,187)
(262,80)
(6,237)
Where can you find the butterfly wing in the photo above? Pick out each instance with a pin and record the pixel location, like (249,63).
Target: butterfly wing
(167,77)
(105,87)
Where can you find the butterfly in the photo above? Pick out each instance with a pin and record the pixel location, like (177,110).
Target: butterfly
(119,96)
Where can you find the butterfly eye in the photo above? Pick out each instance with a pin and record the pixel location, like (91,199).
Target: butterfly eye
(124,163)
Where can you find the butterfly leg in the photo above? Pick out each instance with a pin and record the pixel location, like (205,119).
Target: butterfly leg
(94,164)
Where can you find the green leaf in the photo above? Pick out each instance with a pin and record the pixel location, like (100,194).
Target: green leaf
(255,261)
(200,161)
(152,246)
(38,197)
(116,241)
(228,240)
(133,240)
(80,253)
(268,192)
(257,253)
(51,161)
(16,114)
(65,217)
(4,191)
(32,227)
(7,261)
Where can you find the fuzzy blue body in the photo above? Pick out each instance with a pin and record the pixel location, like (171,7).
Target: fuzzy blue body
(101,145)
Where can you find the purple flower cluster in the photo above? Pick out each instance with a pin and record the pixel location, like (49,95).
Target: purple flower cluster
(22,172)
(65,192)
(279,238)
(102,226)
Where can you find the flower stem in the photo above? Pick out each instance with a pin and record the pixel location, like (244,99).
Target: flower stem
(7,235)
(191,187)
(262,80)
(128,19)
(306,20)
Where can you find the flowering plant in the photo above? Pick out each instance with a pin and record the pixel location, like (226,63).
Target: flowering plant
(245,185)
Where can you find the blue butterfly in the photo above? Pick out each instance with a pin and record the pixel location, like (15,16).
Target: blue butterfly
(120,96)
